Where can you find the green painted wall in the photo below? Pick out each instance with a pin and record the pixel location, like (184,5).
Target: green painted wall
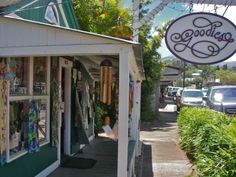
(30,165)
(35,11)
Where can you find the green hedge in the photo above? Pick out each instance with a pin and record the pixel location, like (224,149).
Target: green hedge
(209,138)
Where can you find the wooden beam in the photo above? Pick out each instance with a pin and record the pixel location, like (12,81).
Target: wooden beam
(60,50)
(216,2)
(136,4)
(149,16)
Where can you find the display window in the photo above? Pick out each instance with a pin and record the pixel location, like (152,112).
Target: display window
(19,67)
(28,108)
(40,76)
(18,112)
(42,106)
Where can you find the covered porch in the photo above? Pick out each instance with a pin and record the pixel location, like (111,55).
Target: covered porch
(104,151)
(21,38)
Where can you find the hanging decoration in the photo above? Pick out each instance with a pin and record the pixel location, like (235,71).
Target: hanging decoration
(3,118)
(55,100)
(82,137)
(131,92)
(33,143)
(4,74)
(105,81)
(3,68)
(201,38)
(3,110)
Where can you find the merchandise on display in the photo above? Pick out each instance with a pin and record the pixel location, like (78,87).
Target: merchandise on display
(19,67)
(105,81)
(3,119)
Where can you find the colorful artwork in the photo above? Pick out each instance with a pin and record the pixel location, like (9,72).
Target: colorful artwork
(3,117)
(18,75)
(55,101)
(33,143)
(4,74)
(3,68)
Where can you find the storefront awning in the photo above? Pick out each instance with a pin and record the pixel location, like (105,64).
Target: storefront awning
(26,38)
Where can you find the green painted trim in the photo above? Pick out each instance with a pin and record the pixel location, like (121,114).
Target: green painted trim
(30,165)
(12,8)
(70,15)
(37,14)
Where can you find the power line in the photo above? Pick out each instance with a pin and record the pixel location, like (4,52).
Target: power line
(225,10)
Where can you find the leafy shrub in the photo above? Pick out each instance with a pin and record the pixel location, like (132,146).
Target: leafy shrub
(209,138)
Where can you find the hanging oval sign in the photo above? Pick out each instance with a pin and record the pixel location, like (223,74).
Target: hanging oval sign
(201,38)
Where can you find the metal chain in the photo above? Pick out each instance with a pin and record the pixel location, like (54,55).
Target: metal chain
(225,10)
(190,7)
(215,9)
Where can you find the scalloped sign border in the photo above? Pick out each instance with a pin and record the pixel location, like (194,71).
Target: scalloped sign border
(201,38)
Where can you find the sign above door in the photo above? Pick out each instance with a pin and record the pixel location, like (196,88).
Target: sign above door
(201,38)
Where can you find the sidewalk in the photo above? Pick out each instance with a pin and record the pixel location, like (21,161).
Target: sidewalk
(162,157)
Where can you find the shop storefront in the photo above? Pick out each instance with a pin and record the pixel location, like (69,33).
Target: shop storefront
(47,95)
(25,114)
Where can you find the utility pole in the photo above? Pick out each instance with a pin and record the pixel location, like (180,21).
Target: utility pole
(184,75)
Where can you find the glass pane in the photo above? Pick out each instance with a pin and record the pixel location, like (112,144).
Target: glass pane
(28,125)
(42,115)
(18,126)
(40,76)
(19,67)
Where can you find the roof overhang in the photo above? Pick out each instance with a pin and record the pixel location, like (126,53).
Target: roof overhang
(170,74)
(21,37)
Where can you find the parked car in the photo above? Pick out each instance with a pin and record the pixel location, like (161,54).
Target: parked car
(222,98)
(191,97)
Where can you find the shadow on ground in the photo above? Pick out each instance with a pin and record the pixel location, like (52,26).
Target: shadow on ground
(165,122)
(162,156)
(147,166)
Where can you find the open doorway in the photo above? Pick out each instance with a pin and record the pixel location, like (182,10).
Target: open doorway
(65,114)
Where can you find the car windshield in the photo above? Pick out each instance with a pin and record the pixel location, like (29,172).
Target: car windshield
(227,93)
(195,94)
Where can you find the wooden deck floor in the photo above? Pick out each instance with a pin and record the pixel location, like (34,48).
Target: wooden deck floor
(104,151)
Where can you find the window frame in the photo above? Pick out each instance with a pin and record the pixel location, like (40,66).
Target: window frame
(29,97)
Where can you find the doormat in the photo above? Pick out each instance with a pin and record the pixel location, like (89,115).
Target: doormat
(78,162)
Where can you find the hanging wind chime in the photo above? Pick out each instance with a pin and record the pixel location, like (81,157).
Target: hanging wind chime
(105,81)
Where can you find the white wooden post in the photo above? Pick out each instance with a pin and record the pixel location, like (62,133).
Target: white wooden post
(123,113)
(139,143)
(135,112)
